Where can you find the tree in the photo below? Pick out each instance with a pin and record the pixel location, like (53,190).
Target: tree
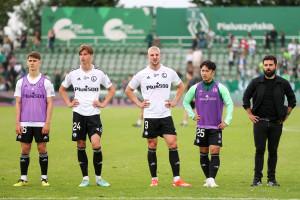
(6,6)
(246,2)
(84,3)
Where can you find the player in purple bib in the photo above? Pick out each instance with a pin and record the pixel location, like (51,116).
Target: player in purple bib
(34,103)
(210,97)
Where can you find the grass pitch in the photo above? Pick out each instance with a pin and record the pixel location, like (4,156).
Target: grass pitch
(125,164)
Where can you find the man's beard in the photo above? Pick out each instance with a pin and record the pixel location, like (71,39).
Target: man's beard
(269,73)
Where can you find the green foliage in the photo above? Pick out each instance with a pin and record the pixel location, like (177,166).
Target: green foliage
(246,2)
(84,3)
(125,164)
(6,6)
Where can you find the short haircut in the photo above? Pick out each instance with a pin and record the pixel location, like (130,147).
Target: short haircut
(270,57)
(34,54)
(153,48)
(209,64)
(86,47)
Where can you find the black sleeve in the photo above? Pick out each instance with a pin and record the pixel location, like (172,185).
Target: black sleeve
(291,98)
(248,94)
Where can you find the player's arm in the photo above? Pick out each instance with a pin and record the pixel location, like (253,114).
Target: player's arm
(134,99)
(64,96)
(248,94)
(46,128)
(189,96)
(225,95)
(109,96)
(18,114)
(179,93)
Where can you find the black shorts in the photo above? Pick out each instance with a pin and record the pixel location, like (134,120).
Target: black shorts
(154,127)
(29,132)
(205,137)
(83,125)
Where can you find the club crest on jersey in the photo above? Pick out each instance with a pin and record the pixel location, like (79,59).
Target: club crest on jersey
(40,85)
(93,78)
(164,75)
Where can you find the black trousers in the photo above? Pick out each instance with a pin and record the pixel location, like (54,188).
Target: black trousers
(263,131)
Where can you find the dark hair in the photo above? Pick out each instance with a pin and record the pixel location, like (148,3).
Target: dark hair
(270,57)
(209,64)
(88,48)
(34,54)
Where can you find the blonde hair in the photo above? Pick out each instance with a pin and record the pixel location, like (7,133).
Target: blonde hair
(153,48)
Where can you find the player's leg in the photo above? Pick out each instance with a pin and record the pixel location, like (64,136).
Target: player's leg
(24,163)
(168,131)
(79,135)
(139,122)
(41,140)
(215,142)
(95,131)
(260,130)
(151,132)
(83,162)
(43,159)
(274,135)
(213,165)
(201,140)
(152,159)
(171,141)
(25,140)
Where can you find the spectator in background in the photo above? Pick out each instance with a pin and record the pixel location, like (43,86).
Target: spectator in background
(149,39)
(51,38)
(188,78)
(156,42)
(36,40)
(221,34)
(57,81)
(124,84)
(251,46)
(244,46)
(197,58)
(292,48)
(6,47)
(282,41)
(202,40)
(274,34)
(1,40)
(231,58)
(23,40)
(267,41)
(195,42)
(2,85)
(211,36)
(189,57)
(241,67)
(235,46)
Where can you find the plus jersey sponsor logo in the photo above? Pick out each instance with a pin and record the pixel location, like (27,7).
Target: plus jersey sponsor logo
(86,89)
(158,85)
(34,95)
(207,98)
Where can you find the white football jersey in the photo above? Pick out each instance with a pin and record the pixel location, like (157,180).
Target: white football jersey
(155,86)
(49,90)
(87,88)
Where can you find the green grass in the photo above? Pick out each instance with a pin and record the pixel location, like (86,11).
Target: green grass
(125,163)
